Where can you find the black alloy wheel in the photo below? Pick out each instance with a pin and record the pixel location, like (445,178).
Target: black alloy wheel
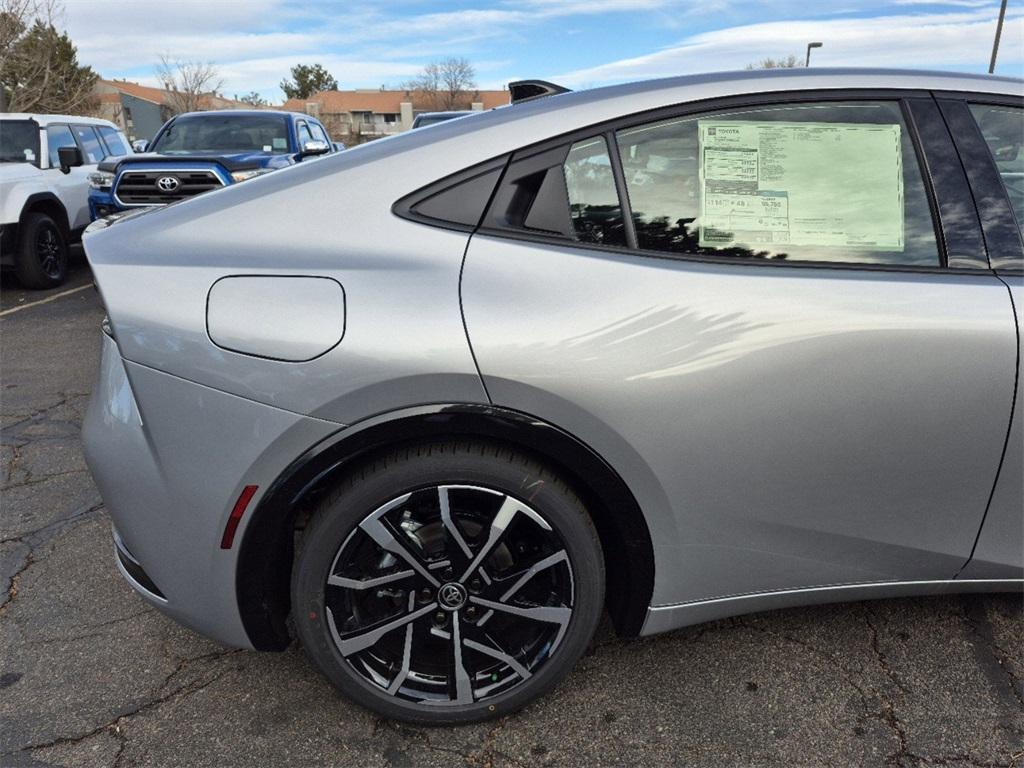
(455,600)
(42,257)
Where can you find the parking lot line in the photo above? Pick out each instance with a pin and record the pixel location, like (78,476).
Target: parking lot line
(47,300)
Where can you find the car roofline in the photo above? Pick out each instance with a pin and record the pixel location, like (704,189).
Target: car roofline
(253,112)
(801,78)
(45,119)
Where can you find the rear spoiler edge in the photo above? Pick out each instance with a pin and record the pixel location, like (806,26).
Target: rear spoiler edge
(527,90)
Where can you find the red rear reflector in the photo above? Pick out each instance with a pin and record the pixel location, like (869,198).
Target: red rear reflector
(236,515)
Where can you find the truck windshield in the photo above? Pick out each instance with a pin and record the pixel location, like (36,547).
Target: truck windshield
(212,132)
(19,141)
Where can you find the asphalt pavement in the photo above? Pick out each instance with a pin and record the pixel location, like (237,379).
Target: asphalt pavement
(91,676)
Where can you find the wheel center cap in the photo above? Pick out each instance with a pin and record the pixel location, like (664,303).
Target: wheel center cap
(451,596)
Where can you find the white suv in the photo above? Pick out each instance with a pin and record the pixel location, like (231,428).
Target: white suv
(45,161)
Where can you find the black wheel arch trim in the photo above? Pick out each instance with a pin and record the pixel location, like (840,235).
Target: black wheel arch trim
(265,552)
(49,199)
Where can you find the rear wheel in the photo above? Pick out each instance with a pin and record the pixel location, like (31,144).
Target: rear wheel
(42,257)
(448,583)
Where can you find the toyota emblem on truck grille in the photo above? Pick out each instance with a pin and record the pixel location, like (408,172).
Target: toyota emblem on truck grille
(167,183)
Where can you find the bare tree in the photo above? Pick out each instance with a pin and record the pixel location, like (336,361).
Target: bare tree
(445,85)
(190,84)
(39,69)
(770,63)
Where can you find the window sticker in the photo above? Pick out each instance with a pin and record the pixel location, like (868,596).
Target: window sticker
(280,142)
(827,184)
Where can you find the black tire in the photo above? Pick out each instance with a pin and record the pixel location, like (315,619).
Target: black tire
(445,468)
(41,260)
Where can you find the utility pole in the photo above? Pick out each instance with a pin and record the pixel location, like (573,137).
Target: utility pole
(995,43)
(807,61)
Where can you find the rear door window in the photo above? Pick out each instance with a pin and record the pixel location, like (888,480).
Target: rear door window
(115,146)
(829,182)
(1003,129)
(92,147)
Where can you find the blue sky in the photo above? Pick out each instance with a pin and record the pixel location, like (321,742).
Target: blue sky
(579,43)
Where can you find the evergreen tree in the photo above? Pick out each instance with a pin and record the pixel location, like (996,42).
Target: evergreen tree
(39,71)
(308,79)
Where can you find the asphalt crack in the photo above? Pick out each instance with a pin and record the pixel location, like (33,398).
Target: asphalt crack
(36,539)
(888,712)
(40,536)
(12,590)
(88,635)
(31,479)
(482,756)
(113,726)
(845,675)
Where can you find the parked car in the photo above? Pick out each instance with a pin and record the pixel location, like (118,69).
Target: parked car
(679,350)
(201,151)
(433,118)
(44,164)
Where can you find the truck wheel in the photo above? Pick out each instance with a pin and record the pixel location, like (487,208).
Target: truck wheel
(41,260)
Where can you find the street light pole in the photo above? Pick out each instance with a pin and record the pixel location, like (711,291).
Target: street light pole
(999,32)
(807,61)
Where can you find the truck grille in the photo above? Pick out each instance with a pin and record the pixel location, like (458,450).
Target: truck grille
(159,187)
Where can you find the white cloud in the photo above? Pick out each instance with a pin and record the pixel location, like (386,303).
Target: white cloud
(255,42)
(88,17)
(915,41)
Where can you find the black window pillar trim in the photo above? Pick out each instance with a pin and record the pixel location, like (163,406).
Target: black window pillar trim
(999,225)
(620,185)
(917,142)
(959,229)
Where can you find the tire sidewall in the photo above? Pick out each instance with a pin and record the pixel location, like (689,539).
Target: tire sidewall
(29,271)
(342,512)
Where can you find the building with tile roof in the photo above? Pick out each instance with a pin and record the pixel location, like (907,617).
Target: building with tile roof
(140,110)
(358,115)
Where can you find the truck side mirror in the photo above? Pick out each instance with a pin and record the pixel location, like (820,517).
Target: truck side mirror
(141,145)
(70,157)
(314,148)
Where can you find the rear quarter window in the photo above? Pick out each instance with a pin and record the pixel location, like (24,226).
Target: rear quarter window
(830,182)
(92,148)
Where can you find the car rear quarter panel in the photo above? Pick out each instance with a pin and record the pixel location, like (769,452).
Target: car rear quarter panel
(404,342)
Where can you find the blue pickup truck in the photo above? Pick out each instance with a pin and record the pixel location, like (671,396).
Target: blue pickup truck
(200,151)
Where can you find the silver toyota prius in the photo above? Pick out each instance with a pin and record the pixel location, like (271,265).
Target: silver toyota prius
(674,350)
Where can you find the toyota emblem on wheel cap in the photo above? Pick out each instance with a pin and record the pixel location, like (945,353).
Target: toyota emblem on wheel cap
(167,183)
(451,596)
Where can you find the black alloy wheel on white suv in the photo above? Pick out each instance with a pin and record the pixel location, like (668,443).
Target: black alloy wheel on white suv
(41,260)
